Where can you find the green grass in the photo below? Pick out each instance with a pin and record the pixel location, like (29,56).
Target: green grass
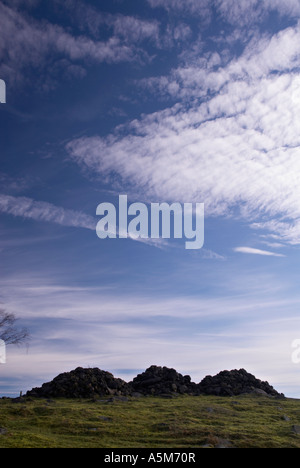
(150,422)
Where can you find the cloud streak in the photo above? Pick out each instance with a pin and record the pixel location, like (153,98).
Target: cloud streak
(251,251)
(46,212)
(43,211)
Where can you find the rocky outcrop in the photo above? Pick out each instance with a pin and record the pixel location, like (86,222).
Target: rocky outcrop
(158,381)
(82,383)
(235,382)
(163,380)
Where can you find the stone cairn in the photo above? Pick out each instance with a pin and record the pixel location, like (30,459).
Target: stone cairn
(156,380)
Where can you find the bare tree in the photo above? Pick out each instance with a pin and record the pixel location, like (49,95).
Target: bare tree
(9,332)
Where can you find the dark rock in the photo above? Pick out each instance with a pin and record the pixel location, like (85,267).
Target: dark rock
(137,394)
(259,391)
(2,431)
(235,382)
(82,383)
(163,381)
(110,400)
(105,418)
(18,400)
(223,444)
(124,399)
(161,427)
(296,429)
(210,410)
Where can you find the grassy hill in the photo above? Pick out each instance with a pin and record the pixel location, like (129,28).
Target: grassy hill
(246,421)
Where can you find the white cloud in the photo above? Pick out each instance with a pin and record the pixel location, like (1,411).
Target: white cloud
(26,42)
(250,250)
(134,29)
(198,7)
(287,231)
(212,72)
(43,211)
(26,293)
(245,12)
(241,12)
(236,146)
(287,8)
(237,13)
(94,22)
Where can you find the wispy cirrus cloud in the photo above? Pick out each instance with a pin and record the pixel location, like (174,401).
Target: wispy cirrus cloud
(238,13)
(200,8)
(251,11)
(231,141)
(43,211)
(285,230)
(262,57)
(28,208)
(251,251)
(27,42)
(93,22)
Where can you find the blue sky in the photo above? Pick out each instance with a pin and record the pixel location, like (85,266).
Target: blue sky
(165,101)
